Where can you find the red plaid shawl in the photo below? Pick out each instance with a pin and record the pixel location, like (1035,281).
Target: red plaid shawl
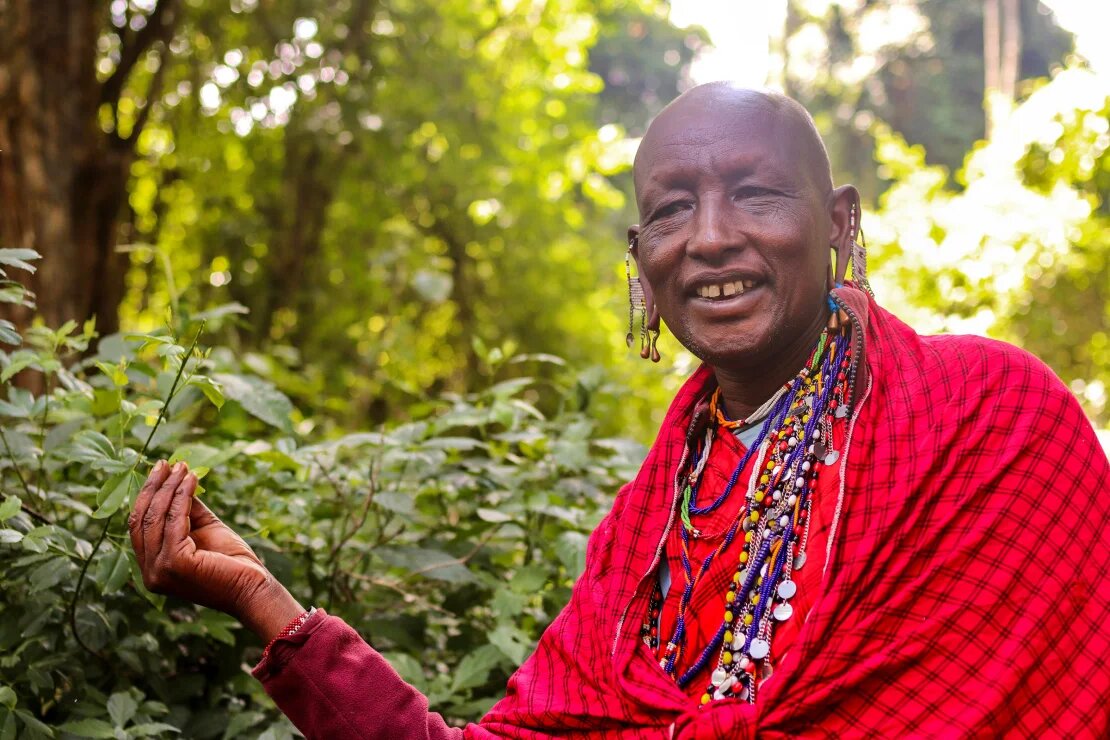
(965,591)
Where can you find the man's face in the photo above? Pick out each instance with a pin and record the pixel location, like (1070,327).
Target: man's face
(734,232)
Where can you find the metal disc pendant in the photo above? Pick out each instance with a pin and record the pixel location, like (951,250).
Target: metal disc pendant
(759,648)
(787,589)
(841,411)
(718,677)
(628,339)
(799,561)
(783,612)
(832,457)
(743,695)
(819,450)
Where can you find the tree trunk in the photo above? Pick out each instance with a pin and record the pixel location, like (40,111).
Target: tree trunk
(1010,58)
(1001,57)
(62,179)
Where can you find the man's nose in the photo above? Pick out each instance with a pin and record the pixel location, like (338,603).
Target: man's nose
(715,234)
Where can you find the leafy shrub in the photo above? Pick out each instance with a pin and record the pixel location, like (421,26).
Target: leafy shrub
(451,540)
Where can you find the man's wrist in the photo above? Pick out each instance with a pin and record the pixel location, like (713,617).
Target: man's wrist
(269,610)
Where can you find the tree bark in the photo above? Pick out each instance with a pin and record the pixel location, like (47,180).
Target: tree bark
(62,178)
(1010,58)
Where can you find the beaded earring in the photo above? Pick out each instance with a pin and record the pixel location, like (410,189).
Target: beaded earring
(637,302)
(859,252)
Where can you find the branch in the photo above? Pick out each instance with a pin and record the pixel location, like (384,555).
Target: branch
(159,27)
(356,33)
(108,522)
(34,514)
(152,94)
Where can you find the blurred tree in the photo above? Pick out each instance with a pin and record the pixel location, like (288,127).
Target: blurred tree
(384,185)
(73,103)
(922,66)
(388,185)
(1020,252)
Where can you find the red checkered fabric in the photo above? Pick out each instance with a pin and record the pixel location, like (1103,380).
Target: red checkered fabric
(965,590)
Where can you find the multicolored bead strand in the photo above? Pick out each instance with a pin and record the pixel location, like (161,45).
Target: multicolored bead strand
(793,444)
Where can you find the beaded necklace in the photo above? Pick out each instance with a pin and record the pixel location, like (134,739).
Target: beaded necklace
(774,521)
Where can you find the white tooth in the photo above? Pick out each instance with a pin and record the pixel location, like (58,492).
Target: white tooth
(714,291)
(749,283)
(739,286)
(704,292)
(730,288)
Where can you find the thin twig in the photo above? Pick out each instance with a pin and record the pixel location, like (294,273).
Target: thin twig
(15,465)
(34,514)
(482,541)
(415,598)
(108,521)
(42,432)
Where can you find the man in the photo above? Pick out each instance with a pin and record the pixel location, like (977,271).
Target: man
(843,528)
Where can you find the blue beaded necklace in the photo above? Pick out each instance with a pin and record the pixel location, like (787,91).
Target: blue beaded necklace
(795,421)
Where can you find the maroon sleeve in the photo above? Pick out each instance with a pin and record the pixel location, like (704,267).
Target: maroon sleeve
(331,684)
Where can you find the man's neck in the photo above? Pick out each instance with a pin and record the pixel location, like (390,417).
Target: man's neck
(745,390)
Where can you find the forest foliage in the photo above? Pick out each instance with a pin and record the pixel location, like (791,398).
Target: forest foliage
(372,290)
(451,540)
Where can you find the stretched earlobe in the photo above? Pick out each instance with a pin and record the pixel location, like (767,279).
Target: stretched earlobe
(640,300)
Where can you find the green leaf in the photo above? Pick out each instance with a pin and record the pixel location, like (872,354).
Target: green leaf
(149,729)
(427,562)
(7,697)
(92,447)
(258,398)
(49,574)
(8,333)
(89,727)
(16,362)
(113,571)
(10,536)
(571,549)
(19,258)
(34,726)
(115,492)
(116,373)
(512,642)
(493,516)
(474,669)
(241,721)
(210,388)
(10,507)
(121,708)
(9,726)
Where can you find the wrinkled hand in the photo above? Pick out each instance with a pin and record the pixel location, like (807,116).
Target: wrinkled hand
(184,550)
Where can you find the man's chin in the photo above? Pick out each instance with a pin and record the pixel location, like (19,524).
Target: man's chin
(741,348)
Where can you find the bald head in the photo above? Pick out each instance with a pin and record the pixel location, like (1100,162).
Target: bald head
(774,120)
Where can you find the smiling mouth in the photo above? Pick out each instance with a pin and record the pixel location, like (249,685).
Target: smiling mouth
(725,290)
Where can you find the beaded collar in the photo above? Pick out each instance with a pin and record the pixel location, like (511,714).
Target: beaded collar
(772,525)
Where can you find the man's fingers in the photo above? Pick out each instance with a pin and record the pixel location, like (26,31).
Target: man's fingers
(201,516)
(177,515)
(134,522)
(154,518)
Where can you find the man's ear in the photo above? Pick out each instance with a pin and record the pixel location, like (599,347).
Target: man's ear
(652,313)
(844,212)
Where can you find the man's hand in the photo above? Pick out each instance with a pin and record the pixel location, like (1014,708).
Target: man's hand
(184,550)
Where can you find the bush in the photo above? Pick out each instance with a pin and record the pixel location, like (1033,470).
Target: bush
(451,540)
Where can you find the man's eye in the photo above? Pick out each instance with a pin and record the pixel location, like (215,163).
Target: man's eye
(670,209)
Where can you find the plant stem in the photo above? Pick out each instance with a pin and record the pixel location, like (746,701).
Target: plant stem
(108,522)
(15,465)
